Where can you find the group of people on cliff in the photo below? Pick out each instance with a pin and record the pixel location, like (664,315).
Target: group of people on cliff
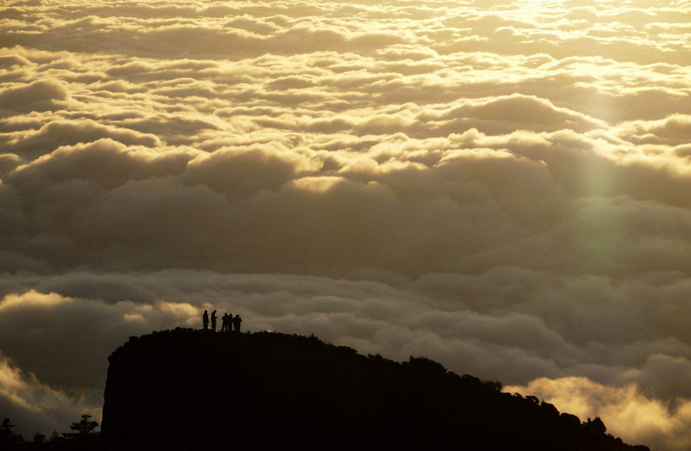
(228,322)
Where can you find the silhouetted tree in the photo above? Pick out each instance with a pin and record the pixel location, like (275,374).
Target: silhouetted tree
(55,438)
(39,438)
(8,436)
(84,430)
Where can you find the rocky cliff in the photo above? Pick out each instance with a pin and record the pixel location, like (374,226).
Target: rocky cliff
(188,389)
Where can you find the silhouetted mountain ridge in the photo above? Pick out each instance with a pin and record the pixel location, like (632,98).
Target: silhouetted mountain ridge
(189,389)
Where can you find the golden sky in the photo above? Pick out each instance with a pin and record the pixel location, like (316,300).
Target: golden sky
(502,186)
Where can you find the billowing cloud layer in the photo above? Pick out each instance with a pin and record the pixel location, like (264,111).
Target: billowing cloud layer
(501,186)
(647,419)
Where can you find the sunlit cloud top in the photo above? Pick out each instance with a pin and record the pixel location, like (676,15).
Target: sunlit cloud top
(499,185)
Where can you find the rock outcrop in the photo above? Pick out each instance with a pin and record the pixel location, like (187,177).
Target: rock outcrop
(194,390)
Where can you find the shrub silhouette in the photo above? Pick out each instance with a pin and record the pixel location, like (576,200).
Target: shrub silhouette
(596,426)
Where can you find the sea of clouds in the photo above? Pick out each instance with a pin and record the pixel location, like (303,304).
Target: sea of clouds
(502,186)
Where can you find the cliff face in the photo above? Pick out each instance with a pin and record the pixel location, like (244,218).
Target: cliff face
(187,389)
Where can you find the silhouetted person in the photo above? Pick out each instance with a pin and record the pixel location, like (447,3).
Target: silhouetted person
(213,320)
(224,323)
(229,328)
(236,323)
(205,320)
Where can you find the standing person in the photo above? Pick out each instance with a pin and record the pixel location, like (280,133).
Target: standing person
(224,323)
(236,322)
(229,328)
(205,320)
(213,320)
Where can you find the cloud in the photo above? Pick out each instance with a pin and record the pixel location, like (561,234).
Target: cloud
(32,299)
(626,411)
(37,96)
(502,189)
(27,400)
(52,135)
(672,130)
(512,323)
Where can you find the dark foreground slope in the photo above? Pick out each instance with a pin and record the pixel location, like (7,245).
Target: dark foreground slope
(187,389)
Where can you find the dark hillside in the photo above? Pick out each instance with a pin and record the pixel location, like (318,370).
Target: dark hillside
(187,389)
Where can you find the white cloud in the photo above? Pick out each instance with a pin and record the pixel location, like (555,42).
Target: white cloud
(32,299)
(504,189)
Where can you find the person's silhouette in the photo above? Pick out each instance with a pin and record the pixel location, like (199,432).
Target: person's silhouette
(224,323)
(236,323)
(230,323)
(213,320)
(205,320)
